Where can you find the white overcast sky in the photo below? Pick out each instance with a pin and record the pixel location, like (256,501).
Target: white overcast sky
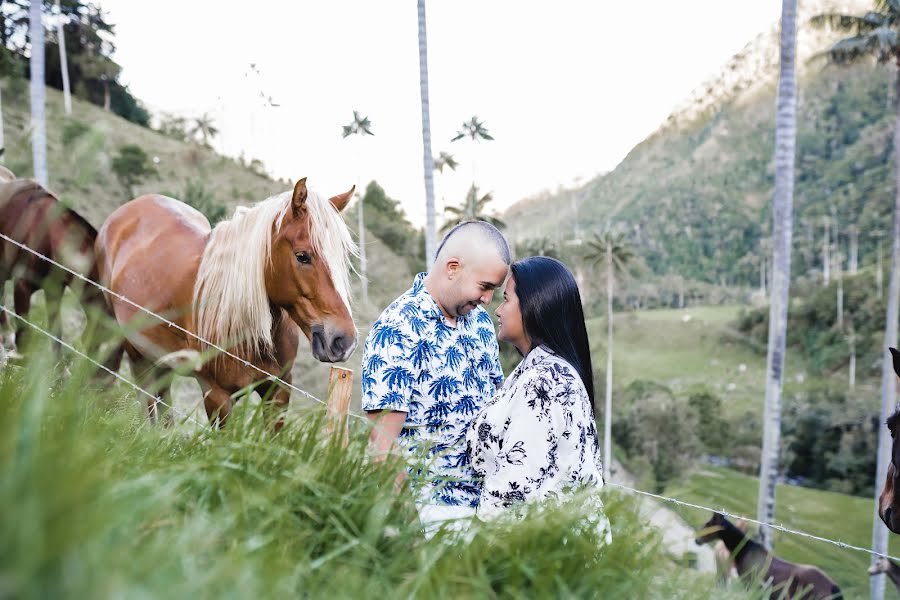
(567,87)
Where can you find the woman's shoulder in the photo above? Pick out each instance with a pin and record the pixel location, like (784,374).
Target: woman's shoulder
(546,366)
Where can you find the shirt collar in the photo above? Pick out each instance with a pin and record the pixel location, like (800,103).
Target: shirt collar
(428,305)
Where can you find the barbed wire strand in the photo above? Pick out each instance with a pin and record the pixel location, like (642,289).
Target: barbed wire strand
(125,380)
(781,528)
(169,323)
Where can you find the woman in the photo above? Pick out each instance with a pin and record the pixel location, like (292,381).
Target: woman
(537,437)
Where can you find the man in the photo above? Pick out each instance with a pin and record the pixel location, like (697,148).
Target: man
(430,362)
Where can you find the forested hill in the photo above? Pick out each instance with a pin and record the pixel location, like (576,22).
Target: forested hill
(694,196)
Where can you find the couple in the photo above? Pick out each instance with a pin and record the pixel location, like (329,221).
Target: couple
(432,380)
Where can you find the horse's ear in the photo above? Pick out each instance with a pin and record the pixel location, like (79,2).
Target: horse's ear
(340,201)
(298,201)
(896,356)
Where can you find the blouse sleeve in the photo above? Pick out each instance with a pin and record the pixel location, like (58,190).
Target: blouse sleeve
(528,447)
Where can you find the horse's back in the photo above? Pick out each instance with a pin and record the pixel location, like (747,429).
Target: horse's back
(809,578)
(34,217)
(148,250)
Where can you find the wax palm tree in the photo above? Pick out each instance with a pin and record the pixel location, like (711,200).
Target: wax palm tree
(445,159)
(203,128)
(63,62)
(38,91)
(610,250)
(475,131)
(472,209)
(360,126)
(430,214)
(782,230)
(874,36)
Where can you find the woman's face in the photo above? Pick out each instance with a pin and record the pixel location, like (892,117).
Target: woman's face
(512,329)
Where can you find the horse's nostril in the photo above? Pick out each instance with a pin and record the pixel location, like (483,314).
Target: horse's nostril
(318,344)
(888,513)
(338,345)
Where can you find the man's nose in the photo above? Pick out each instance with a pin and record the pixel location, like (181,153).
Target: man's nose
(487,297)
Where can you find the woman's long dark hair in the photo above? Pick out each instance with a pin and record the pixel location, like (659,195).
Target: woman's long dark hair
(552,314)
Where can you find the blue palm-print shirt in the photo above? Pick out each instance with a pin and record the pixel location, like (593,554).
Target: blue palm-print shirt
(440,375)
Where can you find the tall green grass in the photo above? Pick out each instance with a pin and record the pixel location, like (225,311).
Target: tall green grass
(98,503)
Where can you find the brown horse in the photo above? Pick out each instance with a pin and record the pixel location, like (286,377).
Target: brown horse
(35,218)
(888,502)
(754,561)
(247,286)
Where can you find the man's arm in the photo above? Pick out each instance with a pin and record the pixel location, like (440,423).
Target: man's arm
(383,439)
(385,431)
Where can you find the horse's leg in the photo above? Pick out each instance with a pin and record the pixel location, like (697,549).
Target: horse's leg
(286,339)
(22,291)
(101,326)
(143,371)
(165,394)
(217,402)
(7,338)
(276,399)
(53,293)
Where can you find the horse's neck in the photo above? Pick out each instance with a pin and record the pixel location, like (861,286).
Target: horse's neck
(73,242)
(894,573)
(747,553)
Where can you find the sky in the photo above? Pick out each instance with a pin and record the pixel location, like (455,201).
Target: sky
(566,88)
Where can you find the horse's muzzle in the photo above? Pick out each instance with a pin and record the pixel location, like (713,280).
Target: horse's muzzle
(332,346)
(890,518)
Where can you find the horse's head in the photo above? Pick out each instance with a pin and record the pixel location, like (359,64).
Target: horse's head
(711,531)
(882,565)
(307,274)
(888,505)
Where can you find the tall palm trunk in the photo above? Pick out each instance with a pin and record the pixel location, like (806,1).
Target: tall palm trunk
(38,119)
(782,210)
(363,263)
(851,339)
(63,64)
(839,275)
(2,140)
(763,276)
(607,407)
(888,379)
(826,255)
(430,219)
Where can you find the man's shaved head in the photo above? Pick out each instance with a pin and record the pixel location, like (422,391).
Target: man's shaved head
(472,261)
(471,241)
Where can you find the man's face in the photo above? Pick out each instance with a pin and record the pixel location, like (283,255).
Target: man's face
(473,283)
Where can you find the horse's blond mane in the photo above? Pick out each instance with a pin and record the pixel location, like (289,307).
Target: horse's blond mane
(231,307)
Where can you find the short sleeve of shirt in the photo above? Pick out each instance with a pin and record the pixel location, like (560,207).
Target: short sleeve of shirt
(387,371)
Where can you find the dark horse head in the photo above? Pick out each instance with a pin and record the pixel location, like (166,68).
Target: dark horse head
(714,529)
(888,505)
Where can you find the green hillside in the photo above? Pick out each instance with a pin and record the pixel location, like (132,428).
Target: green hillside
(81,174)
(693,197)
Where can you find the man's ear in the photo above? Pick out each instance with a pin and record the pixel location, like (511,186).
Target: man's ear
(452,267)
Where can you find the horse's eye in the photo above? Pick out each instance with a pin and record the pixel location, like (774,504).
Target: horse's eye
(303,258)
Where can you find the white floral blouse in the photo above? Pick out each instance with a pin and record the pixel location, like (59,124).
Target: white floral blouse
(537,437)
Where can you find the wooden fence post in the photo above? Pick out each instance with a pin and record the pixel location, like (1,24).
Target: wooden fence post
(337,404)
